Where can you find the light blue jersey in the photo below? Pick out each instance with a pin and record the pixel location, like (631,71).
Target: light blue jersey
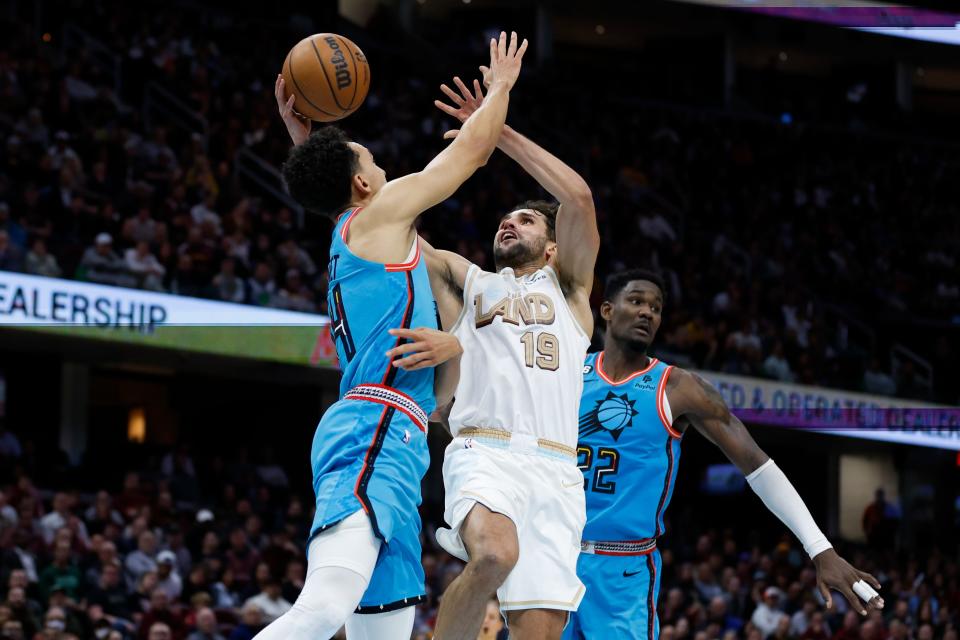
(364,300)
(370,449)
(629,454)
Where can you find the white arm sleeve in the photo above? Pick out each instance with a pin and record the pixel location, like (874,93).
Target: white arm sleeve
(783,501)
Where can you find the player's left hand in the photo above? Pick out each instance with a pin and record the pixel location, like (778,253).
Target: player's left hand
(833,572)
(297,126)
(427,348)
(465,103)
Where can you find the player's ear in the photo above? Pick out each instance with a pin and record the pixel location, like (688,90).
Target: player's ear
(361,185)
(551,251)
(606,310)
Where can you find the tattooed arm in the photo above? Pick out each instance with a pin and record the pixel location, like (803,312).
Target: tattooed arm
(694,401)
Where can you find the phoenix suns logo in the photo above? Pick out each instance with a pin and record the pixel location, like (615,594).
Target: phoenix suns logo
(612,414)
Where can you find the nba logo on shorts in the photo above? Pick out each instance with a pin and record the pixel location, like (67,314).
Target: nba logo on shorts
(406,436)
(468,443)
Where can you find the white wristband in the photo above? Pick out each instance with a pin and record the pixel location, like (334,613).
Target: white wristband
(773,487)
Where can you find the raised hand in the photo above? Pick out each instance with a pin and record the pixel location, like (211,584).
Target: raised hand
(297,126)
(505,60)
(466,102)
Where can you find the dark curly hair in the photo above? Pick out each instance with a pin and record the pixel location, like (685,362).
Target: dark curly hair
(318,172)
(547,209)
(617,282)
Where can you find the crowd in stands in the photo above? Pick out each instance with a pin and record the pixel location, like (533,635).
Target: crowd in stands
(183,551)
(761,229)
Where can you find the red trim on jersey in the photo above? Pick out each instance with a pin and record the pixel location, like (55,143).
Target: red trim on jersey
(346,225)
(406,325)
(651,599)
(661,394)
(366,462)
(653,362)
(406,266)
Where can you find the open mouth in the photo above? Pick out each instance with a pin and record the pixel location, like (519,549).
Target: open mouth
(507,235)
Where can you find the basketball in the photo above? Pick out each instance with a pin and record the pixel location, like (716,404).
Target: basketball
(614,413)
(329,76)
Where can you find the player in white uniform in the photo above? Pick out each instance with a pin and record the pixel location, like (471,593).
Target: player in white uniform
(514,495)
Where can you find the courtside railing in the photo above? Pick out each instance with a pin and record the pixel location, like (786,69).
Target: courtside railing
(160,103)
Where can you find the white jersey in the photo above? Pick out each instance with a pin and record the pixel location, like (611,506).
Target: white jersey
(523,351)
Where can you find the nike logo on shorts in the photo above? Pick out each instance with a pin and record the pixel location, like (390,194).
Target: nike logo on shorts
(630,574)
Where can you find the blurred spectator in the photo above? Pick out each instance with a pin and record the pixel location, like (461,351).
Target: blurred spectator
(768,616)
(251,621)
(62,573)
(17,235)
(850,629)
(9,443)
(295,258)
(61,516)
(168,578)
(143,228)
(203,213)
(817,629)
(110,593)
(41,263)
(11,258)
(143,559)
(25,611)
(145,265)
(160,611)
(776,365)
(101,264)
(880,520)
(61,153)
(160,631)
(186,281)
(261,286)
(101,513)
(295,295)
(875,380)
(206,626)
(228,286)
(270,601)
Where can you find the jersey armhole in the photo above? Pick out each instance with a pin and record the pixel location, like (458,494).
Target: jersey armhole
(663,405)
(563,296)
(471,273)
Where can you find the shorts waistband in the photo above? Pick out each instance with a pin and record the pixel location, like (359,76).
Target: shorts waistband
(388,396)
(619,547)
(500,436)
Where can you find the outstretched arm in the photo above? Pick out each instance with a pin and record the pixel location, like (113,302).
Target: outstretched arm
(400,201)
(578,240)
(695,401)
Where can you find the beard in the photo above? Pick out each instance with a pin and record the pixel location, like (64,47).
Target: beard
(519,253)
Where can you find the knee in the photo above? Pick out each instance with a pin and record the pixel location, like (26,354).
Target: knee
(493,565)
(314,618)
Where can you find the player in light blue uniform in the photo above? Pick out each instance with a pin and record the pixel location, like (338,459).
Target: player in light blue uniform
(634,411)
(369,452)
